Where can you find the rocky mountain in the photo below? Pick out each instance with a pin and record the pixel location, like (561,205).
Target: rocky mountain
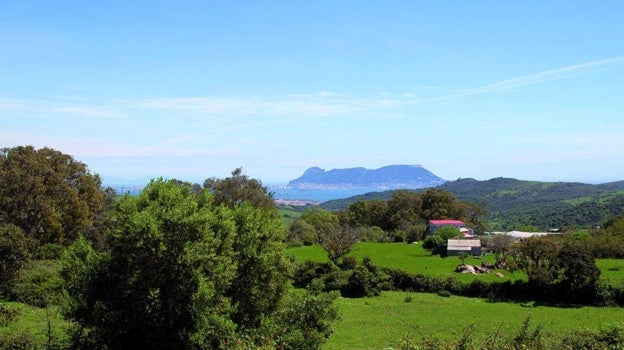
(388,177)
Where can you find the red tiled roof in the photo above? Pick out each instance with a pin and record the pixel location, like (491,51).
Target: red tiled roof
(446,222)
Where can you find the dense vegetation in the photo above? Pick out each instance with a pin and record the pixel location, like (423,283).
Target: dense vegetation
(513,203)
(176,267)
(186,266)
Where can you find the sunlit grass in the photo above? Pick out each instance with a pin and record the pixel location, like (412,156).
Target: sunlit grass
(380,322)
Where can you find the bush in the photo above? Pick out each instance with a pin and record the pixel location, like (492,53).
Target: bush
(444,293)
(366,280)
(49,251)
(310,270)
(38,285)
(22,341)
(432,242)
(8,315)
(14,253)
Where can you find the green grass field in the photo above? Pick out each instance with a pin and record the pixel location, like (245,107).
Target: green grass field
(33,321)
(411,258)
(611,270)
(380,322)
(287,216)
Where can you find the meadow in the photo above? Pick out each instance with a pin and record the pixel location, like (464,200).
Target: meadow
(412,258)
(381,322)
(35,322)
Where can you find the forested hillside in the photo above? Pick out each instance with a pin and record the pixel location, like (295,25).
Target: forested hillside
(514,203)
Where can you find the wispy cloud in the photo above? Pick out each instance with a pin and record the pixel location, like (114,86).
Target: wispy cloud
(62,107)
(321,104)
(541,77)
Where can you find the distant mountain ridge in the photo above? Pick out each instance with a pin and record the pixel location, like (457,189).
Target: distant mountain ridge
(387,177)
(513,202)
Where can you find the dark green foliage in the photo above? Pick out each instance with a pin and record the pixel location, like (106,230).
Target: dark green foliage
(512,202)
(366,280)
(14,253)
(38,284)
(8,315)
(306,272)
(48,194)
(239,188)
(578,273)
(21,341)
(49,251)
(301,233)
(432,242)
(182,273)
(307,323)
(262,270)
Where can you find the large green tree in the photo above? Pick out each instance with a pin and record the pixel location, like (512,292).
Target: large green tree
(182,272)
(48,194)
(239,188)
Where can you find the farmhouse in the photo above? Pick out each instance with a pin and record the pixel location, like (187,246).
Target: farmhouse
(438,224)
(458,246)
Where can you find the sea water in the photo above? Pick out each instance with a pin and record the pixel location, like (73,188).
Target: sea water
(318,195)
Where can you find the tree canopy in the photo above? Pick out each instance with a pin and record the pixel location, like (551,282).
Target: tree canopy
(48,194)
(182,272)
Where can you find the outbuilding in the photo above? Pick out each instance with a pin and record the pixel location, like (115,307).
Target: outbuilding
(456,247)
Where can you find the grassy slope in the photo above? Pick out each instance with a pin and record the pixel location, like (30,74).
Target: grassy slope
(32,320)
(414,259)
(380,322)
(407,257)
(287,216)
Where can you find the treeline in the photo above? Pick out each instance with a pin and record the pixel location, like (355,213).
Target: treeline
(511,203)
(402,218)
(178,266)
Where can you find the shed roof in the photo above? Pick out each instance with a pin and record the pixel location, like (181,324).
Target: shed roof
(446,222)
(465,243)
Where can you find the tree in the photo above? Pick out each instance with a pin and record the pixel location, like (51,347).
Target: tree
(48,194)
(325,223)
(538,257)
(182,272)
(499,245)
(339,243)
(301,232)
(336,239)
(441,204)
(477,217)
(239,188)
(578,272)
(438,241)
(404,209)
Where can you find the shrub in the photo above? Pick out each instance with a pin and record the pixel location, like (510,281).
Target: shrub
(310,270)
(14,253)
(8,314)
(366,280)
(444,293)
(22,341)
(49,251)
(431,242)
(38,285)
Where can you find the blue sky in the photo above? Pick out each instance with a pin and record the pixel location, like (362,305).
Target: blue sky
(193,89)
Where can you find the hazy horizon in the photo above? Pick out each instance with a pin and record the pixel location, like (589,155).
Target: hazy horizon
(483,89)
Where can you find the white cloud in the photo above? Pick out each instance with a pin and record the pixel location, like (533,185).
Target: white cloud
(537,78)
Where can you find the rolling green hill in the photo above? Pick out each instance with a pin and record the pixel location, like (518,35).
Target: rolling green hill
(512,203)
